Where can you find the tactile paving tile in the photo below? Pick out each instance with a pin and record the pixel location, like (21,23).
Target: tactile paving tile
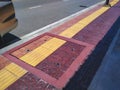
(62,56)
(10,74)
(97,29)
(30,46)
(58,62)
(68,24)
(73,65)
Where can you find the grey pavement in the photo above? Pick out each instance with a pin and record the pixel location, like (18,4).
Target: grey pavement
(35,14)
(22,4)
(28,28)
(108,75)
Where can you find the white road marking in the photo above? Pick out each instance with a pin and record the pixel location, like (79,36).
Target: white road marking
(35,7)
(55,24)
(65,0)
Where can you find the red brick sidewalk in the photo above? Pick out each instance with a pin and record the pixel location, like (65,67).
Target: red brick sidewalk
(50,60)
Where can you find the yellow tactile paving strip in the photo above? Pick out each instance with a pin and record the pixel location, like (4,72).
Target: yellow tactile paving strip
(36,56)
(70,32)
(12,72)
(6,78)
(31,46)
(15,69)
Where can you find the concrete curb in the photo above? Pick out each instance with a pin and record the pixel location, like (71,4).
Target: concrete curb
(47,28)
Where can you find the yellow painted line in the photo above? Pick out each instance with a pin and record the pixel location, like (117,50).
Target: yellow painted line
(39,54)
(10,74)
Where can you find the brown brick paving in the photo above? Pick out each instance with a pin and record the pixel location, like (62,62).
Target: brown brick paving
(57,63)
(3,62)
(30,82)
(31,46)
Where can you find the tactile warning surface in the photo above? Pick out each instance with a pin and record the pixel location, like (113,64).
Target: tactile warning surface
(53,59)
(97,29)
(30,46)
(58,81)
(58,62)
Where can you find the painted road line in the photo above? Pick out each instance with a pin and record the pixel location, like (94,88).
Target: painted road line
(34,7)
(65,0)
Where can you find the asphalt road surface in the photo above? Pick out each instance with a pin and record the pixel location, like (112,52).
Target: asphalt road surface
(35,14)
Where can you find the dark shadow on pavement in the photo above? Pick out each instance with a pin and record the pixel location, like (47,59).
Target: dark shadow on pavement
(8,39)
(84,6)
(83,77)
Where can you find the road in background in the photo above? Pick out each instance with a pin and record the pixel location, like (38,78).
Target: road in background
(35,14)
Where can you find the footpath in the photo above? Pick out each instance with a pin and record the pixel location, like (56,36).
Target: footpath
(68,56)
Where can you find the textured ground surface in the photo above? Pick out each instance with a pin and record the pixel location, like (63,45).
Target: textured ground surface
(48,61)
